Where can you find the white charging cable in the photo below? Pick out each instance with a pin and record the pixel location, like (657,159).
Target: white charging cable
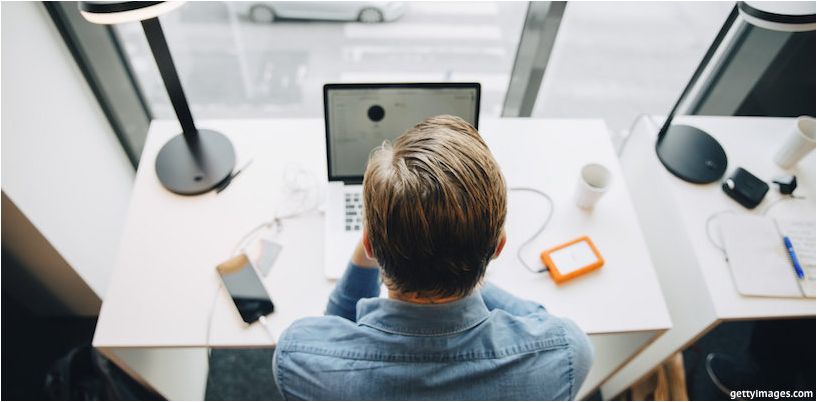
(707,227)
(788,197)
(264,323)
(298,181)
(624,141)
(714,216)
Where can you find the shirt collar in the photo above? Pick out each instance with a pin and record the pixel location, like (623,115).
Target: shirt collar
(405,318)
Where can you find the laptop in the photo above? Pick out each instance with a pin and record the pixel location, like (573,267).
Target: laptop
(359,117)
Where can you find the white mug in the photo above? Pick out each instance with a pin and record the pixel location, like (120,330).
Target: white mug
(798,144)
(594,180)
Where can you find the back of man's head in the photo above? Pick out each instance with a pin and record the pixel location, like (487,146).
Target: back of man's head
(435,206)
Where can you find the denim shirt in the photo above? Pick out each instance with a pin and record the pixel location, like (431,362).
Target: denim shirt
(489,345)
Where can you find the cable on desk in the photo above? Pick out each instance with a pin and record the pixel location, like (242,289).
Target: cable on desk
(783,198)
(236,249)
(295,184)
(711,238)
(210,319)
(226,182)
(263,321)
(626,140)
(538,232)
(712,217)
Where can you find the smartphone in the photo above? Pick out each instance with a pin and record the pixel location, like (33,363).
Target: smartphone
(245,288)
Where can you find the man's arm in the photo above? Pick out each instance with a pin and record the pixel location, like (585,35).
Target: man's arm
(496,298)
(582,356)
(582,350)
(361,280)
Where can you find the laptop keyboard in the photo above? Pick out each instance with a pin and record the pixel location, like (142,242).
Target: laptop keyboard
(354,211)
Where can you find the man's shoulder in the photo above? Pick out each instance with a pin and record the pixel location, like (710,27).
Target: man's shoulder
(317,329)
(539,325)
(560,333)
(541,331)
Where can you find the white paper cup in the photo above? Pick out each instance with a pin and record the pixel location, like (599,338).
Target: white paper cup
(594,180)
(799,143)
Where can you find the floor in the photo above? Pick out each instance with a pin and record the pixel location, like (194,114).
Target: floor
(730,338)
(244,374)
(32,344)
(782,351)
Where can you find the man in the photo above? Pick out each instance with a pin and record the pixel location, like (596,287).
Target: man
(434,210)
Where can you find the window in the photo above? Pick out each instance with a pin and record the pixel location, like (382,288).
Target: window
(236,63)
(616,60)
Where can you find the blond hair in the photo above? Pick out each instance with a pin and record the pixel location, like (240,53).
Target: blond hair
(434,208)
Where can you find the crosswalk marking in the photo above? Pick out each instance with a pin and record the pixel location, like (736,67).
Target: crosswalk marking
(356,53)
(453,8)
(399,30)
(489,81)
(367,76)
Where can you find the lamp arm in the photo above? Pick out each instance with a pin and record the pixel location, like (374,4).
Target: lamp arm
(161,53)
(699,70)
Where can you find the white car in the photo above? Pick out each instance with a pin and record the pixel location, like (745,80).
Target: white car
(363,11)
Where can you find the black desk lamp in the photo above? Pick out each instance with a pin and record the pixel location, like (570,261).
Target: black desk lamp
(197,160)
(686,151)
(692,154)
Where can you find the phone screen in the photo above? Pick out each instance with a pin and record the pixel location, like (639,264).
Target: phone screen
(245,287)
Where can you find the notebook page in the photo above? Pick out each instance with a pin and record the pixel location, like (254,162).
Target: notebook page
(801,234)
(758,259)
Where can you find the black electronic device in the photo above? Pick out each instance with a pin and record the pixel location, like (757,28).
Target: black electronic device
(786,184)
(745,188)
(245,288)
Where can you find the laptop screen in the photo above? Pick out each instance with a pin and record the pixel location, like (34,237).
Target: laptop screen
(359,117)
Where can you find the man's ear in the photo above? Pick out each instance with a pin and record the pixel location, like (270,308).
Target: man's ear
(500,244)
(367,245)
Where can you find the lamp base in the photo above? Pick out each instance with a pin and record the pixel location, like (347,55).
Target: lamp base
(691,154)
(195,168)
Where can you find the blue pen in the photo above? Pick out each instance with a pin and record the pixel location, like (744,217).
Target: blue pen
(793,256)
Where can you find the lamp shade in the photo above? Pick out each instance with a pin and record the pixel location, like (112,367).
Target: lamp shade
(785,16)
(116,12)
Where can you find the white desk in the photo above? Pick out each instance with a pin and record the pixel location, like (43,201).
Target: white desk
(154,318)
(695,277)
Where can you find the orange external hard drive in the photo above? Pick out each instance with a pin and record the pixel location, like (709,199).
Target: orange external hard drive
(574,258)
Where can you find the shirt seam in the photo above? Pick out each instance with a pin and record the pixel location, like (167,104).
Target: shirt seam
(406,331)
(279,373)
(571,355)
(539,346)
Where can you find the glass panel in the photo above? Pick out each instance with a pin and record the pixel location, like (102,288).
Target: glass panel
(766,73)
(619,59)
(234,62)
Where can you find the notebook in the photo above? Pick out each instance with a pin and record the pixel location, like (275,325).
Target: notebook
(801,234)
(758,259)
